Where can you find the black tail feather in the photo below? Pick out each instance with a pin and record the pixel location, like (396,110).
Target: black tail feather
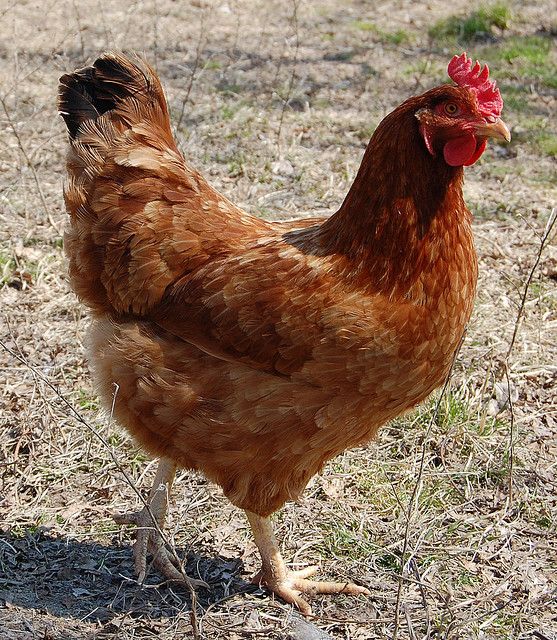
(88,93)
(75,102)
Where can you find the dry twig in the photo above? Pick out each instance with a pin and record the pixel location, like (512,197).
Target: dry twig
(544,240)
(414,498)
(286,99)
(79,418)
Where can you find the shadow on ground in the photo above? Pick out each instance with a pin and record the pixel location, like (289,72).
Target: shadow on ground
(87,581)
(63,589)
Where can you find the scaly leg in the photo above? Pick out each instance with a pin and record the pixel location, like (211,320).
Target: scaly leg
(287,584)
(148,538)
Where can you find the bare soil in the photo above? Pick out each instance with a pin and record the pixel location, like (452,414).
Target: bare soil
(449,518)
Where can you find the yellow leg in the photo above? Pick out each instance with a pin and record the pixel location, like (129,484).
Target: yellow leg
(148,538)
(287,584)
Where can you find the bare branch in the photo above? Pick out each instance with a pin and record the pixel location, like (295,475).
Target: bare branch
(414,498)
(79,418)
(544,240)
(286,99)
(200,45)
(543,243)
(30,165)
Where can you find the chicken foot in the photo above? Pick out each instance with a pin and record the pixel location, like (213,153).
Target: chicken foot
(287,584)
(149,522)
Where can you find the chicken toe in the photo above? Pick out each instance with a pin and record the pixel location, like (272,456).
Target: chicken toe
(291,584)
(149,522)
(287,584)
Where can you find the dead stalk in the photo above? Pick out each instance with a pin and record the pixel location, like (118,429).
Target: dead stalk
(544,240)
(414,498)
(156,33)
(79,30)
(286,99)
(107,33)
(30,164)
(79,418)
(201,42)
(507,366)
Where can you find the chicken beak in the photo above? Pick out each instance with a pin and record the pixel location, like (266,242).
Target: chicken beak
(497,130)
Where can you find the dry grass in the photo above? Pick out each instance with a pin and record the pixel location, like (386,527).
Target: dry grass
(275,103)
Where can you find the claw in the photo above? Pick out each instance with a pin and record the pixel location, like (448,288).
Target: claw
(149,522)
(149,540)
(290,585)
(293,584)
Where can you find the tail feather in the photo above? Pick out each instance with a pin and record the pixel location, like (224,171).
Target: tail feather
(122,157)
(75,103)
(88,93)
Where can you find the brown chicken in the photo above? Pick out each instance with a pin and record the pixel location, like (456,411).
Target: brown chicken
(255,351)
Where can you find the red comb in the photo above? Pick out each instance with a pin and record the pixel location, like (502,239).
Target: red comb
(460,70)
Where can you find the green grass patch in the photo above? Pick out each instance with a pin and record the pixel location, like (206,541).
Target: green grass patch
(494,211)
(435,70)
(455,409)
(516,98)
(544,521)
(547,143)
(107,527)
(531,49)
(137,462)
(467,578)
(534,509)
(25,530)
(400,36)
(212,65)
(229,88)
(239,112)
(228,111)
(115,439)
(7,266)
(342,539)
(366,132)
(388,561)
(527,58)
(476,26)
(534,130)
(86,401)
(364,25)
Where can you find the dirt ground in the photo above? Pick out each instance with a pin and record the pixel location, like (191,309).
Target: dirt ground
(449,518)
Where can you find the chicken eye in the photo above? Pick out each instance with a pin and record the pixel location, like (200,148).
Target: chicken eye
(451,108)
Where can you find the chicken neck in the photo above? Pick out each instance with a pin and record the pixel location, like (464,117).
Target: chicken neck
(401,203)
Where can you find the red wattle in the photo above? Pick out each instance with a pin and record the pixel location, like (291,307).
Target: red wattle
(458,151)
(479,150)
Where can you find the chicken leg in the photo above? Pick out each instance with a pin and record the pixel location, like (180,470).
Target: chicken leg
(150,520)
(287,584)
